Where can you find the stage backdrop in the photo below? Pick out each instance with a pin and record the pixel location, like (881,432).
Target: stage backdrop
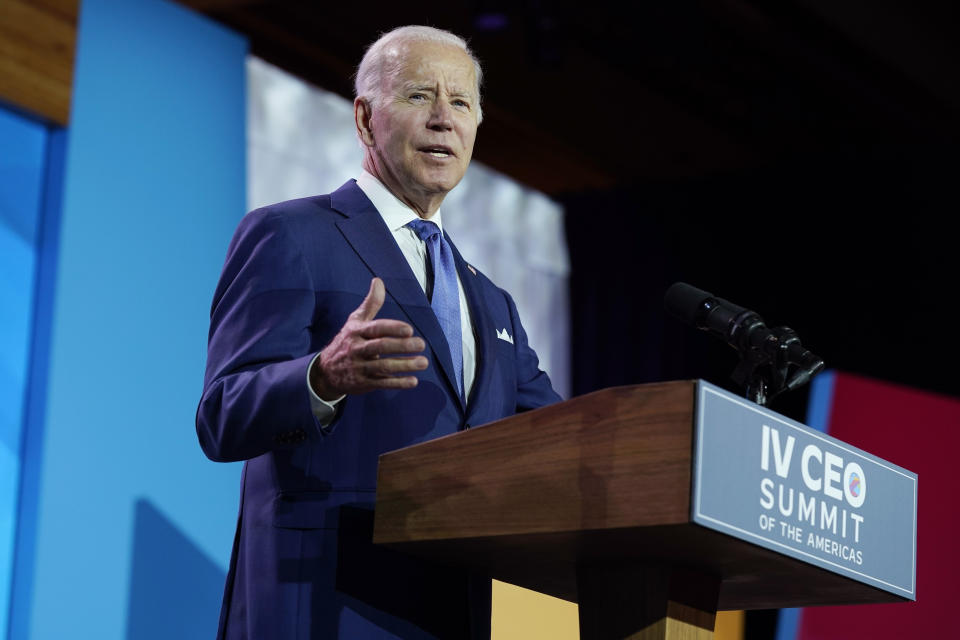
(23,168)
(124,527)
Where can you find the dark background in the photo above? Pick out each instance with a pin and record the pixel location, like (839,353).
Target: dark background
(796,157)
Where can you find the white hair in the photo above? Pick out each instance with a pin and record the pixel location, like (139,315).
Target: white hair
(375,67)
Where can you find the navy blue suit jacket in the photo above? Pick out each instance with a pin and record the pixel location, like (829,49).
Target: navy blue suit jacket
(302,564)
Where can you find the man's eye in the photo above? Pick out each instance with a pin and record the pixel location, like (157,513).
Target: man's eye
(461,103)
(418,97)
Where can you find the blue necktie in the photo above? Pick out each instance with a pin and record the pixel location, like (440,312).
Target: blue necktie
(445,295)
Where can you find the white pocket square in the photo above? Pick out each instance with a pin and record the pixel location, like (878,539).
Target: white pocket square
(503,335)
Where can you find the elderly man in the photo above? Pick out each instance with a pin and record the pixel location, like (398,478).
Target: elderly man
(346,325)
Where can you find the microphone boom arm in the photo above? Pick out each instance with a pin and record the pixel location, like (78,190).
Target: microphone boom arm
(771,360)
(779,363)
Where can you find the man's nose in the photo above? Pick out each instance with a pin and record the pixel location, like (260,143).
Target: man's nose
(441,116)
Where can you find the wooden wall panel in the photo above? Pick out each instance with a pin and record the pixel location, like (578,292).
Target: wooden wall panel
(37,40)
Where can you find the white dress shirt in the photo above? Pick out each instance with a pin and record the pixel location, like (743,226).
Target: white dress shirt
(396,214)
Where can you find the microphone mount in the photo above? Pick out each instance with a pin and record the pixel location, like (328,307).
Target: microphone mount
(771,360)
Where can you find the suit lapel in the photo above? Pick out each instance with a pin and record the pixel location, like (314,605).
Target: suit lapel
(369,236)
(482,325)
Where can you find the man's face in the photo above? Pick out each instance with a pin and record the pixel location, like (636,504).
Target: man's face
(422,133)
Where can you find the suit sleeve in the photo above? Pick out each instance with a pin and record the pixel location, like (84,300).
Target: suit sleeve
(255,398)
(533,385)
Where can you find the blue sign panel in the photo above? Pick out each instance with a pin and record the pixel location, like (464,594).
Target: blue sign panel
(776,483)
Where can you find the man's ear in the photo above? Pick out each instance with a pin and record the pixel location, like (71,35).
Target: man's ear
(363,117)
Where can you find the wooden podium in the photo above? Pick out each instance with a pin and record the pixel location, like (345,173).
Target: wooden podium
(589,500)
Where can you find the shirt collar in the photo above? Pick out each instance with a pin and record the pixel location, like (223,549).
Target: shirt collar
(393,210)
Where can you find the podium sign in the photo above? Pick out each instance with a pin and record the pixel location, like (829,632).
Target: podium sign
(768,480)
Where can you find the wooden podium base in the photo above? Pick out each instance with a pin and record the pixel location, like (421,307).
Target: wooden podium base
(680,623)
(646,603)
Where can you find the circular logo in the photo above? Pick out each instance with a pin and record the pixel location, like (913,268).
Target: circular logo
(854,485)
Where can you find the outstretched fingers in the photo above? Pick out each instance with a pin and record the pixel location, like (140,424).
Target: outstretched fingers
(379,347)
(369,353)
(388,367)
(373,329)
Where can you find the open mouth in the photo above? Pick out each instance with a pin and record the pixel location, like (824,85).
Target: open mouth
(438,151)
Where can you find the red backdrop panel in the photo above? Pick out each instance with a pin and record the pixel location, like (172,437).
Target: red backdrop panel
(921,432)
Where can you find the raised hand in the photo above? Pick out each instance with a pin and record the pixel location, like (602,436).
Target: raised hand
(354,360)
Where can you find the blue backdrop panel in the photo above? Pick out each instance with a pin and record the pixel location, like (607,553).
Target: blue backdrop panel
(47,250)
(154,184)
(23,145)
(174,589)
(819,404)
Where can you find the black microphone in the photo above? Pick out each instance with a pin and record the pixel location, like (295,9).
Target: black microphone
(741,328)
